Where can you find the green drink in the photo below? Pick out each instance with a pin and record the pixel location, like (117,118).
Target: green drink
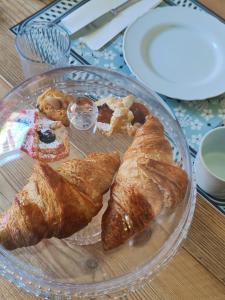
(215,161)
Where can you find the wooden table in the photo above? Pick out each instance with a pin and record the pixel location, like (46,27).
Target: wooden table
(218,6)
(198,270)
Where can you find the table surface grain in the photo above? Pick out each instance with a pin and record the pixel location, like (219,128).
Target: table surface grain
(218,6)
(198,270)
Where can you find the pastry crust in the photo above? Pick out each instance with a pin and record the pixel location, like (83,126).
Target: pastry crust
(122,116)
(88,173)
(54,205)
(147,181)
(53,103)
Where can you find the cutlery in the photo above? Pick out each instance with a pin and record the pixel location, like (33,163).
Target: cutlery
(96,38)
(108,16)
(87,13)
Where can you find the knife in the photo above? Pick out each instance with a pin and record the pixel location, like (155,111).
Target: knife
(87,13)
(108,16)
(98,38)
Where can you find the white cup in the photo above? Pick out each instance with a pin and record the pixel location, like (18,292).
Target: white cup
(210,163)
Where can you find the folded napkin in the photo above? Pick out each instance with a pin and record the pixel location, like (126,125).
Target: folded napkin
(98,38)
(87,13)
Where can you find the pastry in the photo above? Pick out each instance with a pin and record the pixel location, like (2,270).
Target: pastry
(46,140)
(89,173)
(120,115)
(147,181)
(54,103)
(51,206)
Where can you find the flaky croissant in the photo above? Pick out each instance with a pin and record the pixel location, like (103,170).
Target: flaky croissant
(52,206)
(147,181)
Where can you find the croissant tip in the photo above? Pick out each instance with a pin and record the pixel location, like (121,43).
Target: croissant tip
(109,244)
(107,248)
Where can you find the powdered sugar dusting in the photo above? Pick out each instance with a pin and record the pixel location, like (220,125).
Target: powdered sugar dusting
(30,144)
(33,146)
(54,145)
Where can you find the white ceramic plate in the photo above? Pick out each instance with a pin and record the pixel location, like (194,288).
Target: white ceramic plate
(178,52)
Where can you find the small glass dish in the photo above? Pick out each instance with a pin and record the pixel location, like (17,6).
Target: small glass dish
(78,267)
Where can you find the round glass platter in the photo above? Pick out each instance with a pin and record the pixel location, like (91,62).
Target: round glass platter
(78,266)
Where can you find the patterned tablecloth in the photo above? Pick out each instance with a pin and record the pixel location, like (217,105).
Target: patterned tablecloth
(196,117)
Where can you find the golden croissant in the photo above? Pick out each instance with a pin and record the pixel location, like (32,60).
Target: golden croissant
(54,205)
(147,181)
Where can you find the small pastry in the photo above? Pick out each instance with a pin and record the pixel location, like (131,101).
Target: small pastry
(53,103)
(46,140)
(120,115)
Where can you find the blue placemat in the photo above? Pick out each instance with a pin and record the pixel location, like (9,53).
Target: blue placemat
(196,117)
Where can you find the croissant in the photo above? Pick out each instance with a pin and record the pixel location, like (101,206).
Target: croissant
(147,181)
(52,206)
(93,175)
